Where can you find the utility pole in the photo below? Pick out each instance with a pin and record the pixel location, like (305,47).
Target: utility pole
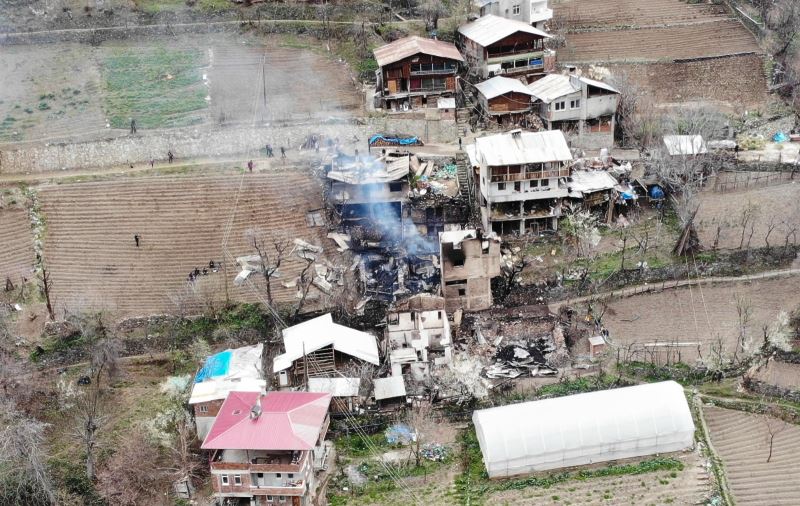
(305,367)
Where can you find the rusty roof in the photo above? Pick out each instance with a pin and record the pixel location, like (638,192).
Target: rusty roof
(409,46)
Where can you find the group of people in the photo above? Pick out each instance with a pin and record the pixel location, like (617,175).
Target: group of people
(212,267)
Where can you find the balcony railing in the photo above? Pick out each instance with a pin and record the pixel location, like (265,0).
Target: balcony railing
(429,89)
(429,72)
(515,51)
(262,466)
(525,175)
(293,488)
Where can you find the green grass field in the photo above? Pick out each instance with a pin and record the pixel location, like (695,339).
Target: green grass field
(158,87)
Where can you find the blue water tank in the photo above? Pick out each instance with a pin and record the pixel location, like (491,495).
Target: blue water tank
(656,192)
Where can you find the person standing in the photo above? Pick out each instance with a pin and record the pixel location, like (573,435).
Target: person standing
(170,156)
(283,152)
(133,126)
(250,166)
(136,239)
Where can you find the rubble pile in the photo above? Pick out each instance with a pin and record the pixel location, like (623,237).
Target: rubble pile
(387,274)
(522,359)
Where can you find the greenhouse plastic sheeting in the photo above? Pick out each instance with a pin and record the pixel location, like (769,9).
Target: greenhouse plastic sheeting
(216,365)
(584,429)
(403,141)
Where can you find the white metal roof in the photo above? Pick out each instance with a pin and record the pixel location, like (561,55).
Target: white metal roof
(500,85)
(472,154)
(409,46)
(243,373)
(553,86)
(584,428)
(590,181)
(517,148)
(337,387)
(214,389)
(369,170)
(387,388)
(685,145)
(319,332)
(490,28)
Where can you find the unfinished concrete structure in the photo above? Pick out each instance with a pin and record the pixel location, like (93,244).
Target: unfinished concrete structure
(577,104)
(522,179)
(533,12)
(497,46)
(418,334)
(414,72)
(469,261)
(504,100)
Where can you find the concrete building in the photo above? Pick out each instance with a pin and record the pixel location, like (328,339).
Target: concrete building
(533,12)
(414,72)
(469,261)
(266,447)
(521,179)
(496,46)
(579,105)
(504,99)
(238,369)
(418,334)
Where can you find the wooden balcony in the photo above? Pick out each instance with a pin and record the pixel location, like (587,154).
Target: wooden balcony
(263,465)
(295,488)
(530,174)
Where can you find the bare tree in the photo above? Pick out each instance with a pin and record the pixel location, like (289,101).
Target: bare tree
(45,286)
(304,282)
(419,419)
(103,367)
(272,250)
(773,426)
(132,474)
(771,224)
(747,217)
(744,315)
(24,479)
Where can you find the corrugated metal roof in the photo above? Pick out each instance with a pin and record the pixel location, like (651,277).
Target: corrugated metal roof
(517,148)
(409,46)
(337,387)
(685,145)
(446,103)
(369,170)
(554,86)
(319,332)
(387,388)
(500,85)
(590,181)
(551,87)
(490,28)
(288,421)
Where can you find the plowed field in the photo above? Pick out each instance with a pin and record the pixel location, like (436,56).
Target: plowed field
(742,441)
(591,13)
(658,44)
(93,260)
(16,246)
(685,315)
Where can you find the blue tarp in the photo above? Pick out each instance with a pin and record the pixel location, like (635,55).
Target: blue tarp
(399,433)
(780,137)
(656,192)
(403,141)
(216,365)
(627,196)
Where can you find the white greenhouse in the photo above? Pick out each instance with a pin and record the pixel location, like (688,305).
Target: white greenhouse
(584,429)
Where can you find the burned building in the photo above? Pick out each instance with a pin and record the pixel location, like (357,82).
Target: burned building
(496,46)
(522,180)
(418,334)
(469,260)
(414,72)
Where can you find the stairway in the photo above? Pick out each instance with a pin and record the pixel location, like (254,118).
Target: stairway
(462,164)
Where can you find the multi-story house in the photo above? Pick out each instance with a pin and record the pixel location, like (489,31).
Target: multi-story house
(521,180)
(417,334)
(414,72)
(504,100)
(265,447)
(498,46)
(574,103)
(533,12)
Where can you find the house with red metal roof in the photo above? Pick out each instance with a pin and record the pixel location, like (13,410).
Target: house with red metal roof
(264,446)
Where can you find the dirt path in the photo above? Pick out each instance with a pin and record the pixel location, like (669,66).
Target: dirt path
(656,287)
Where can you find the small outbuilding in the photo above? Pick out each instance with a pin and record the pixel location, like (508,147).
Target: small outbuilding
(584,429)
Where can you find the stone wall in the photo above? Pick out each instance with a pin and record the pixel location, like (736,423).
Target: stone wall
(207,143)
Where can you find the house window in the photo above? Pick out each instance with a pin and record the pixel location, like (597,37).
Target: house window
(277,475)
(282,498)
(575,104)
(224,479)
(395,187)
(314,218)
(202,409)
(516,9)
(545,182)
(462,292)
(560,106)
(517,186)
(290,475)
(534,183)
(269,498)
(237,479)
(501,186)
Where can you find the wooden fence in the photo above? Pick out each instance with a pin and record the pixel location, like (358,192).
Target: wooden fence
(732,181)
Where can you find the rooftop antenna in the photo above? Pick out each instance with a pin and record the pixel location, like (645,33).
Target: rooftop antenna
(255,411)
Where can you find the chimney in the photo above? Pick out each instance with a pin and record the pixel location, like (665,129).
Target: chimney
(255,411)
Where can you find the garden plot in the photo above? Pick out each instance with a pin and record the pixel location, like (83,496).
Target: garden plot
(16,246)
(742,441)
(628,13)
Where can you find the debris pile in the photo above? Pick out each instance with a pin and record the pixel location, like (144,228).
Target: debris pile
(522,359)
(434,452)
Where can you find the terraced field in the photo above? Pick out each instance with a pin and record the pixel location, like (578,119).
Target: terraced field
(182,221)
(16,246)
(720,38)
(741,439)
(591,13)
